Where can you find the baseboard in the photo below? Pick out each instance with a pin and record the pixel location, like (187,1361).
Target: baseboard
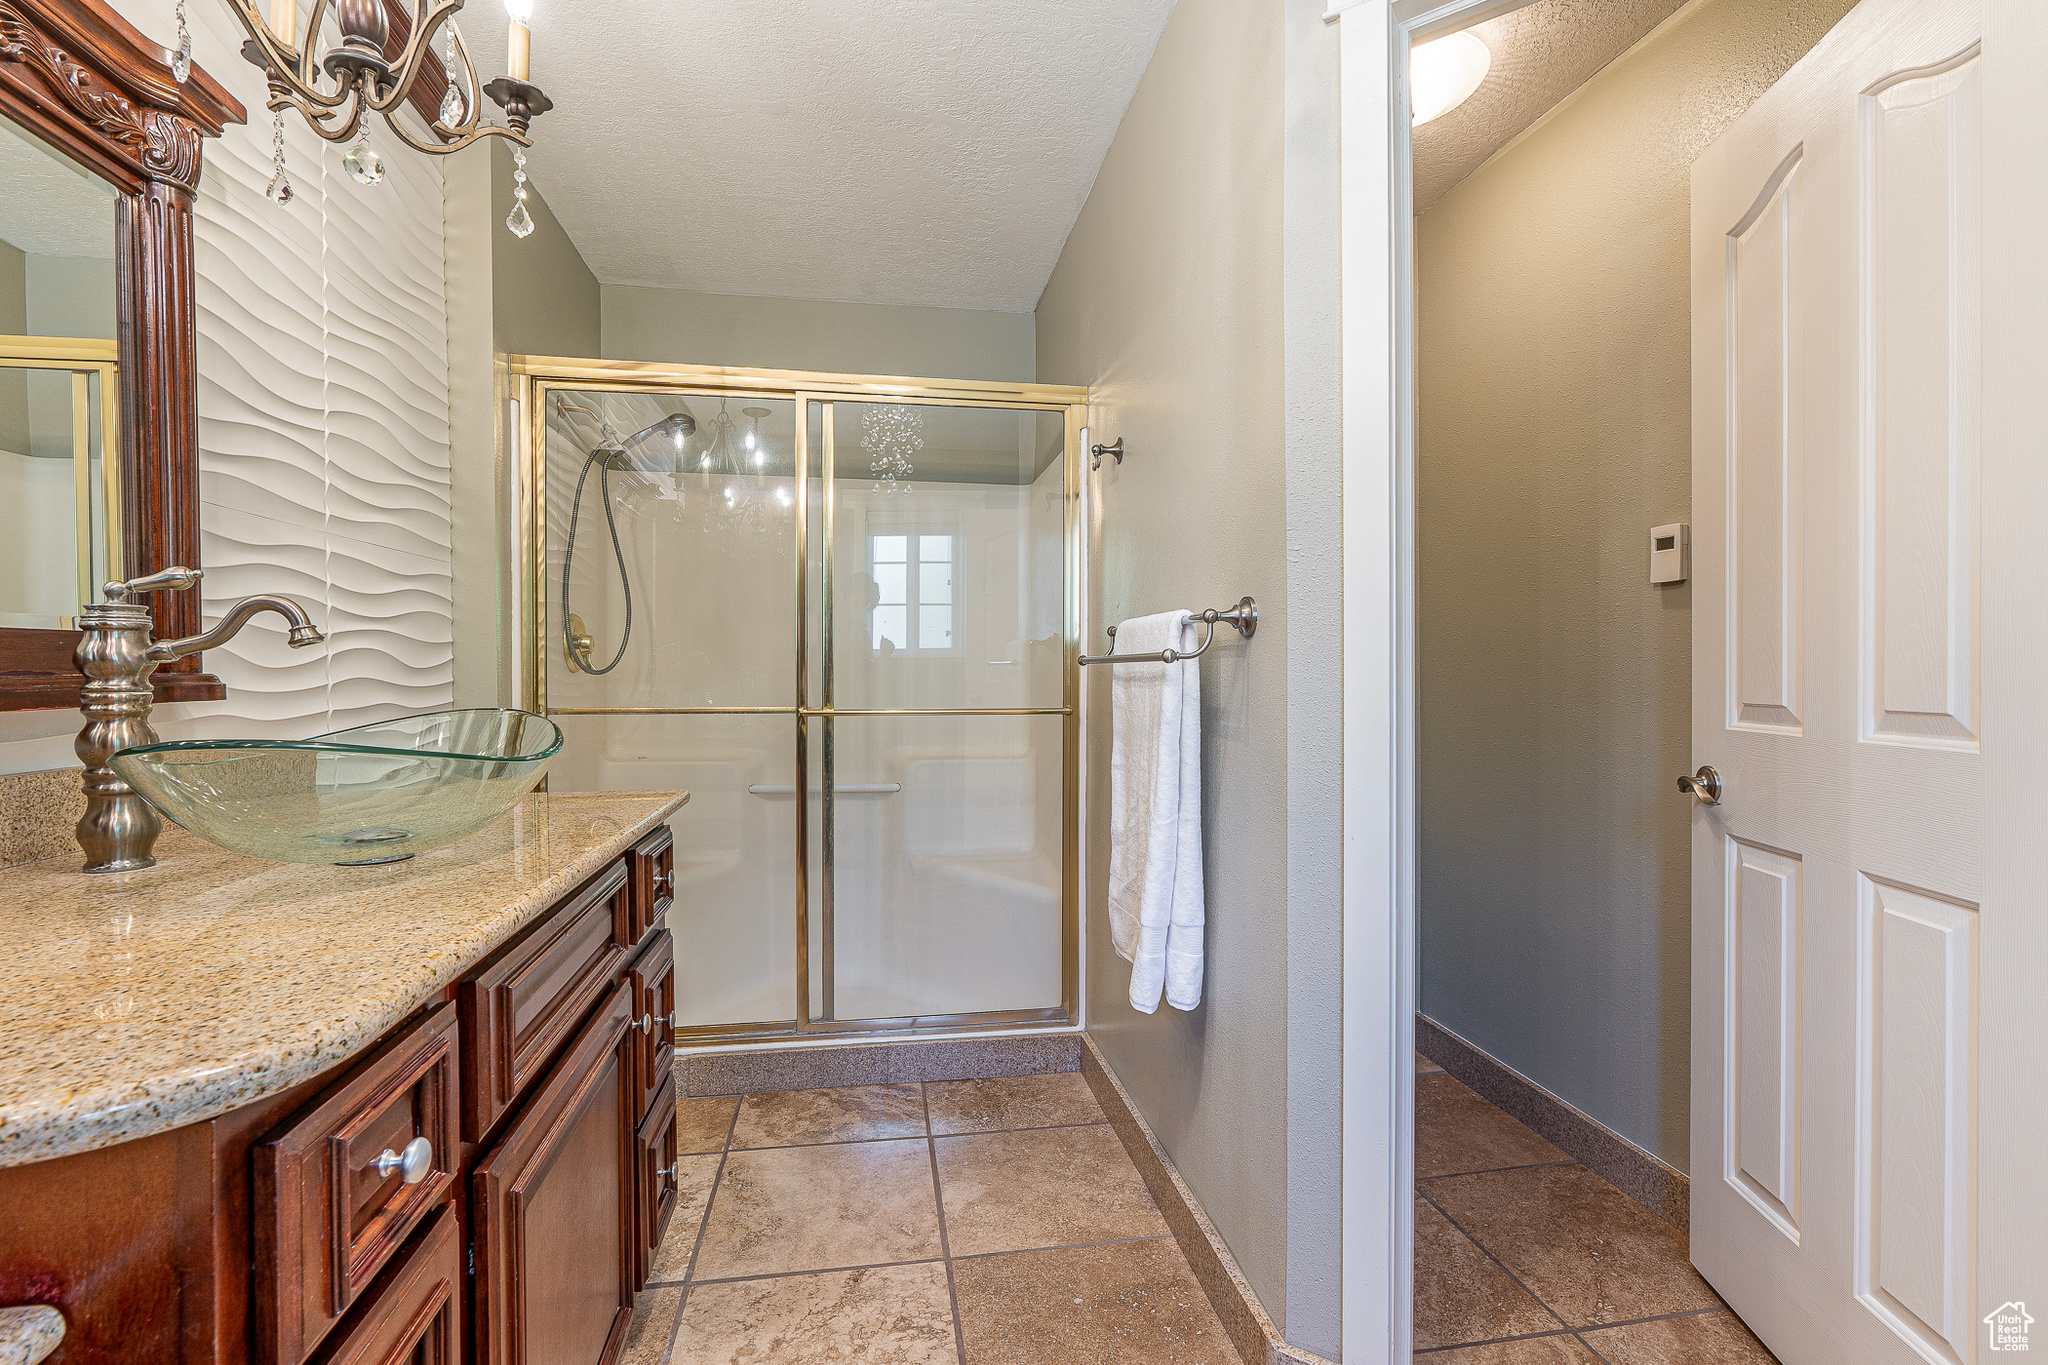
(892,1063)
(1257,1340)
(1639,1174)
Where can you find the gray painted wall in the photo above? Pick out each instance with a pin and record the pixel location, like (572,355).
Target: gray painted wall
(1554,410)
(1195,296)
(678,326)
(545,300)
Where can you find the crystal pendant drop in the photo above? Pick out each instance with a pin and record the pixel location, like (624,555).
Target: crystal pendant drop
(452,102)
(365,167)
(519,220)
(181,57)
(279,190)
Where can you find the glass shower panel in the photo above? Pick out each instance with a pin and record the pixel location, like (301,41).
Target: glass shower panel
(948,528)
(735,895)
(702,510)
(945,852)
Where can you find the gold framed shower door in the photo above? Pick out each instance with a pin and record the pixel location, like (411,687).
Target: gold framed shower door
(534,378)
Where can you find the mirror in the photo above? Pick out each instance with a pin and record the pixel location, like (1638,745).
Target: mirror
(59,536)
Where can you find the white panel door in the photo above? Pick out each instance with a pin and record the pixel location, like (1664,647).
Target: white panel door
(1868,961)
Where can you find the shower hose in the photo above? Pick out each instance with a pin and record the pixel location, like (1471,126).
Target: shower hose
(604,488)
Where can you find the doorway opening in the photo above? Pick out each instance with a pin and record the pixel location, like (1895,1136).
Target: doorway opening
(1557,275)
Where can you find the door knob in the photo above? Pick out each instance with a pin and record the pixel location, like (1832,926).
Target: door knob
(1704,785)
(412,1164)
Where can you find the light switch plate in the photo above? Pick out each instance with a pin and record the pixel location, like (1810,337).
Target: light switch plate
(1670,553)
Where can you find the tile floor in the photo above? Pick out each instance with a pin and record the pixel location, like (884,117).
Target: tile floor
(1525,1257)
(987,1222)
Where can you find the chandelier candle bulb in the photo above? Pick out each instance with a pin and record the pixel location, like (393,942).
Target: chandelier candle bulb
(519,41)
(284,21)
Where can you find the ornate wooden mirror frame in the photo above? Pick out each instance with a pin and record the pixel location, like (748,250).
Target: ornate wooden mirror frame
(76,74)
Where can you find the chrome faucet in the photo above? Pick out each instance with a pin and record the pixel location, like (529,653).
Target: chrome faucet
(117,656)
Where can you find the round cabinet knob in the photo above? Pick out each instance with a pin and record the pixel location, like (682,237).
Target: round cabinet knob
(664,885)
(671,1172)
(1704,786)
(412,1164)
(645,1023)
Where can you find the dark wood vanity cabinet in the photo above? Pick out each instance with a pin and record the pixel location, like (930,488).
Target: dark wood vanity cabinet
(533,1097)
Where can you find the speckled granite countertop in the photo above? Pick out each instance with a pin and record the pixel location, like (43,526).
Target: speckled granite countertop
(142,1001)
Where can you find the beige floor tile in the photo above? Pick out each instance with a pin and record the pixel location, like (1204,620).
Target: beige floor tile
(820,1208)
(1136,1303)
(1042,1187)
(850,1113)
(1456,1131)
(1558,1350)
(891,1315)
(1424,1066)
(654,1315)
(1588,1251)
(701,1125)
(1702,1339)
(694,1176)
(1011,1102)
(1460,1294)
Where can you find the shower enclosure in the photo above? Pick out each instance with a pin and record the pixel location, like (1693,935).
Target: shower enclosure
(843,614)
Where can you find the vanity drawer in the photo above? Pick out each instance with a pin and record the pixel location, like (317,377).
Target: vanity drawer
(414,1315)
(654,1003)
(333,1197)
(528,997)
(653,862)
(655,1147)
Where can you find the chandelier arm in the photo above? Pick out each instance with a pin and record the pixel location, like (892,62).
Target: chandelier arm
(418,44)
(307,77)
(318,120)
(458,139)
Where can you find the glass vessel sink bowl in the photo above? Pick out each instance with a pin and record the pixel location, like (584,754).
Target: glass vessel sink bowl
(371,794)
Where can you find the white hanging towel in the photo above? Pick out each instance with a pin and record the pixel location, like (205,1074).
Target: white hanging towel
(1155,813)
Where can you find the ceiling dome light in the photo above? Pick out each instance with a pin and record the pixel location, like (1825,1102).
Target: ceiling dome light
(1443,73)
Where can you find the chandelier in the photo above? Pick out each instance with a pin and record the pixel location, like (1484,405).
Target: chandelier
(736,468)
(890,433)
(336,93)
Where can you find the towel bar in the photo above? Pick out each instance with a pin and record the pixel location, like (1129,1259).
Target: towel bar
(1244,616)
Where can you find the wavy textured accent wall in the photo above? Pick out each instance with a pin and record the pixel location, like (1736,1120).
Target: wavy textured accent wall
(323,417)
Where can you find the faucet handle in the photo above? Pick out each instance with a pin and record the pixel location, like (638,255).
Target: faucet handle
(171,579)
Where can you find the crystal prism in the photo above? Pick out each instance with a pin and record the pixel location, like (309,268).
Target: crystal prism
(451,106)
(365,167)
(181,61)
(519,220)
(279,190)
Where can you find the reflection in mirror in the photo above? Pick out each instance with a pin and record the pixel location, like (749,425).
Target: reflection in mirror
(59,538)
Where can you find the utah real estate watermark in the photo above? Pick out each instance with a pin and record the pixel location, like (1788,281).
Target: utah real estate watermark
(2007,1326)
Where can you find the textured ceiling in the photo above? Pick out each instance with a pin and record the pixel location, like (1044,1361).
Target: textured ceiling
(1541,53)
(860,150)
(50,206)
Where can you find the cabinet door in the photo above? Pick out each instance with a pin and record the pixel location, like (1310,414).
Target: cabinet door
(552,1205)
(656,1147)
(654,987)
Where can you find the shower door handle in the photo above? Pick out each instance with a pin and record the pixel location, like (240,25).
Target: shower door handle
(838,789)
